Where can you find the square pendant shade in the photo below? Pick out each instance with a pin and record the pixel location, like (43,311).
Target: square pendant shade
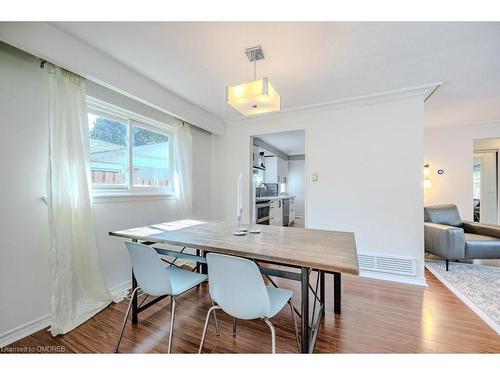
(253,98)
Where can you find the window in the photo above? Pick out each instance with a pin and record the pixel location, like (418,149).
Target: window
(128,153)
(108,150)
(150,158)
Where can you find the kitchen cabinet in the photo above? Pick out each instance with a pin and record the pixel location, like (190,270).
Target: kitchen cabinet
(276,212)
(271,174)
(292,211)
(276,170)
(282,170)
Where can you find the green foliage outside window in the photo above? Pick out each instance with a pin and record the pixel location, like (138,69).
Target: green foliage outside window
(114,132)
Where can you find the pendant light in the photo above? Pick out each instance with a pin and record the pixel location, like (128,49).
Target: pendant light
(255,97)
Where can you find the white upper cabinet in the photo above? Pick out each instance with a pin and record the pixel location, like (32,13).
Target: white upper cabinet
(276,170)
(282,170)
(271,170)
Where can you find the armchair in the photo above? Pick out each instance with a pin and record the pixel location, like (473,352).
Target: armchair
(448,237)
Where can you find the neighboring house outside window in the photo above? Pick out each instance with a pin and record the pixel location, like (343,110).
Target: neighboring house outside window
(129,154)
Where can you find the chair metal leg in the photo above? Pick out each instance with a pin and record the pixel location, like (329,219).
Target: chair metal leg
(447,264)
(217,331)
(213,308)
(125,318)
(234,327)
(295,328)
(273,334)
(172,317)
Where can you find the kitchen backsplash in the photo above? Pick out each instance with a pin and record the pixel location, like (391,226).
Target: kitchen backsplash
(271,191)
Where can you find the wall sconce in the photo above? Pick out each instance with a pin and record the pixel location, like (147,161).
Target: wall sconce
(427,181)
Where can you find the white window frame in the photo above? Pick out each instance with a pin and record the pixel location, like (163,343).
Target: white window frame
(132,119)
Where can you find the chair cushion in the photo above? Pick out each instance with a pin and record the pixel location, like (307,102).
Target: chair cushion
(481,247)
(182,280)
(446,214)
(279,298)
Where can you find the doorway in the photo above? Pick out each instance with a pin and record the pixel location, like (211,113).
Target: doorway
(485,179)
(278,170)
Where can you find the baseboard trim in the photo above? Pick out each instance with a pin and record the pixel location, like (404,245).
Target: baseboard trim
(395,278)
(44,321)
(118,289)
(24,330)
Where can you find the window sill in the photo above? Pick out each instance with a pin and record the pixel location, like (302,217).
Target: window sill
(130,196)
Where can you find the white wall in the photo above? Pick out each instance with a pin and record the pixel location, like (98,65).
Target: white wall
(296,181)
(486,144)
(50,43)
(24,253)
(369,161)
(451,149)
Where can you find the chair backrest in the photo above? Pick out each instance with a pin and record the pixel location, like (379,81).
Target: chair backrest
(446,214)
(236,285)
(149,270)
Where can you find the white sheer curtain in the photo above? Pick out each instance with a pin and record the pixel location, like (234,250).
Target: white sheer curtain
(78,288)
(183,169)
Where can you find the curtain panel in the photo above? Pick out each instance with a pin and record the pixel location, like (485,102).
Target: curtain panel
(78,290)
(183,169)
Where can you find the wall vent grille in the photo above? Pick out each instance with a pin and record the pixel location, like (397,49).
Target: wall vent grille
(388,263)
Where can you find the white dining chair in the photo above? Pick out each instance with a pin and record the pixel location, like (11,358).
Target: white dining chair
(156,279)
(236,286)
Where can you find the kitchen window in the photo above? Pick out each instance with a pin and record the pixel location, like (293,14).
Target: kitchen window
(129,154)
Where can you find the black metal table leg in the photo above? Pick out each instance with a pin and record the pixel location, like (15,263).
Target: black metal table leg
(304,334)
(337,292)
(204,266)
(135,310)
(321,276)
(198,268)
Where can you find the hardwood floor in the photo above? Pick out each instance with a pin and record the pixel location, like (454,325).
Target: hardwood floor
(377,317)
(298,223)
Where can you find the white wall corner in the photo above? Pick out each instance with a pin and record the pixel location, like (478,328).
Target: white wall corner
(46,41)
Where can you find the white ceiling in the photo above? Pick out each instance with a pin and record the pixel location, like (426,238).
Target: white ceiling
(290,143)
(313,62)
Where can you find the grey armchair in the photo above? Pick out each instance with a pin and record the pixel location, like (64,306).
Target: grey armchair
(448,237)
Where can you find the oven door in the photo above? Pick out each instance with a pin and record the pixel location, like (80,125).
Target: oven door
(263,221)
(263,210)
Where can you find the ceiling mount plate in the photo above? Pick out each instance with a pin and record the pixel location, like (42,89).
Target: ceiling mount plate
(255,53)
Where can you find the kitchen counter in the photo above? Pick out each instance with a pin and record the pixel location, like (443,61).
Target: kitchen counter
(285,196)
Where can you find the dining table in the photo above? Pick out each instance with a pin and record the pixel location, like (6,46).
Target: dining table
(280,252)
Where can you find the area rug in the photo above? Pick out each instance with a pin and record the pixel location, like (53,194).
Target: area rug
(476,285)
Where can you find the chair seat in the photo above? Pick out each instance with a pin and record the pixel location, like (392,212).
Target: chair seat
(279,298)
(481,247)
(182,280)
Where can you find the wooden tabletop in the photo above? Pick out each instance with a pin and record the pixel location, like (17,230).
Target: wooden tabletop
(319,249)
